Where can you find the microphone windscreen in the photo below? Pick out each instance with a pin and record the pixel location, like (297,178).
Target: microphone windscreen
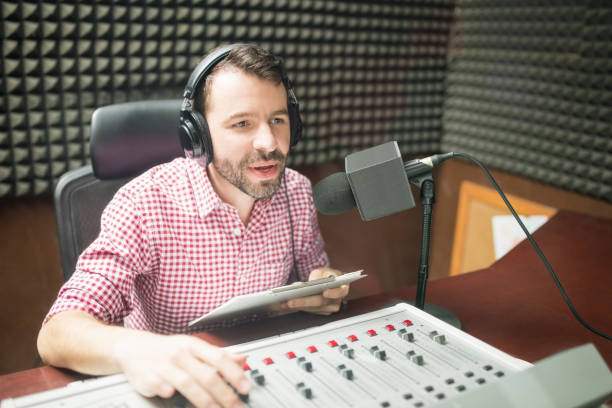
(333,194)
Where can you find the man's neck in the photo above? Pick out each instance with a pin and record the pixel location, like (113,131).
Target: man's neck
(231,194)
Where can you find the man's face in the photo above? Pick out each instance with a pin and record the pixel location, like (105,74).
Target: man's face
(249,126)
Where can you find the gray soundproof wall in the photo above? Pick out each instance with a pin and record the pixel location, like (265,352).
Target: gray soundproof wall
(365,71)
(529,90)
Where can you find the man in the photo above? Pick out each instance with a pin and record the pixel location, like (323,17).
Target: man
(185,237)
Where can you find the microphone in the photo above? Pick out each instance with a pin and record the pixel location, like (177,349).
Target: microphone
(333,194)
(376,180)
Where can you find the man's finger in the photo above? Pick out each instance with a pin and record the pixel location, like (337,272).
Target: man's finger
(229,365)
(209,380)
(323,273)
(336,293)
(306,302)
(325,309)
(188,386)
(152,385)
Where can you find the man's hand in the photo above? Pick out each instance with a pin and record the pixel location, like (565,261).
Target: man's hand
(158,365)
(154,364)
(326,303)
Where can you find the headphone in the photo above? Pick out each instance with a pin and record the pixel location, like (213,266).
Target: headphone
(193,129)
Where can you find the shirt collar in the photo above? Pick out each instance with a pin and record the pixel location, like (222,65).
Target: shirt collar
(206,198)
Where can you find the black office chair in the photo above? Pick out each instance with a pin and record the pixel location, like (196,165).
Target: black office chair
(126,140)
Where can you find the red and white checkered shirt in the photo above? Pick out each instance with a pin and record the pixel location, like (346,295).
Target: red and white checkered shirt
(170,250)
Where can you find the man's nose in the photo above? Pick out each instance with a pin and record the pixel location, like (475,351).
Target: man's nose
(265,139)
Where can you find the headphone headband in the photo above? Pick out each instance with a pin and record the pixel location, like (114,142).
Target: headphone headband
(205,67)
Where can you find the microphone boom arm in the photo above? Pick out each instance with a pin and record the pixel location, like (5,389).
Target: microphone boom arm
(423,179)
(419,173)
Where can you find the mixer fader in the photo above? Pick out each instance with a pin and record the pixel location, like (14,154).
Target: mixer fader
(398,356)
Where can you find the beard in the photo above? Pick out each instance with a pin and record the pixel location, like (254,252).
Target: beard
(236,173)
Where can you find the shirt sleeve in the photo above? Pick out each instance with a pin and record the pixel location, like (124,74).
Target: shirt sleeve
(312,253)
(105,272)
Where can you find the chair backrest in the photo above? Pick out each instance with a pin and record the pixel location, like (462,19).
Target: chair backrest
(126,140)
(80,198)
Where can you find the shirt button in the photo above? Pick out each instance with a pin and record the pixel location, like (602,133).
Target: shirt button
(237,231)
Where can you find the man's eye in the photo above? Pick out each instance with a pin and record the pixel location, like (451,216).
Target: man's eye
(277,121)
(240,124)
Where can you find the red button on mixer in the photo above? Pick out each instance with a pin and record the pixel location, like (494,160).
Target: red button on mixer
(333,343)
(268,361)
(312,349)
(290,354)
(352,337)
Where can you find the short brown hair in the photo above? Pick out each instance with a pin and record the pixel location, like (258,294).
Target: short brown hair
(248,58)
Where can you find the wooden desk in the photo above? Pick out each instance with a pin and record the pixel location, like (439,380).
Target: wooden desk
(512,305)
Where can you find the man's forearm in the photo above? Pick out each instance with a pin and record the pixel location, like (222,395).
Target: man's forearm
(154,364)
(74,339)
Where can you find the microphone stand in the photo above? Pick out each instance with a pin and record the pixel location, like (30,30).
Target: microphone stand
(425,183)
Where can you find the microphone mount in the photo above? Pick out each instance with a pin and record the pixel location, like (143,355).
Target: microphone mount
(425,183)
(420,175)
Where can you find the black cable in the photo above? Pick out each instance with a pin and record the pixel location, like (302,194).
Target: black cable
(293,277)
(531,240)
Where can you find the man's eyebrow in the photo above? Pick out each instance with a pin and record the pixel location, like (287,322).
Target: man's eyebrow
(237,115)
(280,112)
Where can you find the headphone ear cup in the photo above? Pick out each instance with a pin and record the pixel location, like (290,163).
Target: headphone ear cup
(194,135)
(204,136)
(295,123)
(188,134)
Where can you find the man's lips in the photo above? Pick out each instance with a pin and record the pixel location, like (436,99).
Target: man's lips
(264,169)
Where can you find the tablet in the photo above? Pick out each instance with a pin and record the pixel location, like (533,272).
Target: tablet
(261,301)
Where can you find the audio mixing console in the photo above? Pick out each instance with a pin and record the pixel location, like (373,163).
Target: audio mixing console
(399,356)
(394,357)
